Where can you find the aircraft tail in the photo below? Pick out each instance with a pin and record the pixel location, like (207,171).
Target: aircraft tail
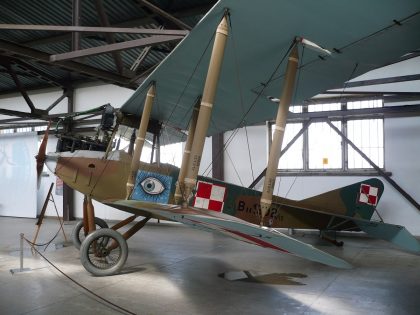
(357,200)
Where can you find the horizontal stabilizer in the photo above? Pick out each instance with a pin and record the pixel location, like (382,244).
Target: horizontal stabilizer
(233,227)
(395,234)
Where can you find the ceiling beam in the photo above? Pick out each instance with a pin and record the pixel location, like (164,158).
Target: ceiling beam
(58,100)
(35,72)
(10,48)
(103,20)
(34,115)
(20,87)
(164,14)
(92,29)
(200,9)
(137,43)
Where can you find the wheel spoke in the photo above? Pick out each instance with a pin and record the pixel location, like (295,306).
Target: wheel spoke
(101,256)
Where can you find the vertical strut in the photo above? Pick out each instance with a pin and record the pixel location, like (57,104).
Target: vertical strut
(206,106)
(279,129)
(144,122)
(180,188)
(90,215)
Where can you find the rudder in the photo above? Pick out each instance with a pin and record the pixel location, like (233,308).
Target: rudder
(356,200)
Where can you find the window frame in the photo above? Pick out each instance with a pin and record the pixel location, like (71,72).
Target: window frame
(370,171)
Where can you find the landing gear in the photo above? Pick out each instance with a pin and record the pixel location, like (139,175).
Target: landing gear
(333,241)
(79,234)
(104,252)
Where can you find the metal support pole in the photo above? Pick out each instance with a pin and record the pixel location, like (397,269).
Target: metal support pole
(75,38)
(68,192)
(21,269)
(206,106)
(217,156)
(279,129)
(21,251)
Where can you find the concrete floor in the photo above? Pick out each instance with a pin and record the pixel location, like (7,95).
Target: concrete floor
(172,269)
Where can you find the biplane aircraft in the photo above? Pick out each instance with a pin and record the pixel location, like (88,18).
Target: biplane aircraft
(221,77)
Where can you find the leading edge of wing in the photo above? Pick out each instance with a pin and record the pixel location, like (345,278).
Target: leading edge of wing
(233,227)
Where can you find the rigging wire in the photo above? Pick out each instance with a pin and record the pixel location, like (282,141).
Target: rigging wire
(238,79)
(190,78)
(121,309)
(249,154)
(337,51)
(253,103)
(233,164)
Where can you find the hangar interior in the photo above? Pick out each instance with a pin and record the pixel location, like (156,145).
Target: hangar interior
(66,61)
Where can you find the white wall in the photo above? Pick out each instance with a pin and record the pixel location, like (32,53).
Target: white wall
(17,176)
(402,150)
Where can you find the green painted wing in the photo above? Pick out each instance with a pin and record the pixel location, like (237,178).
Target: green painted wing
(361,34)
(212,221)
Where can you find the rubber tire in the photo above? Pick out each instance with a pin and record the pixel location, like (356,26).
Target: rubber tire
(84,252)
(76,231)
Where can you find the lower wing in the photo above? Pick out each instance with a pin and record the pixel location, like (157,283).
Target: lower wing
(396,234)
(231,226)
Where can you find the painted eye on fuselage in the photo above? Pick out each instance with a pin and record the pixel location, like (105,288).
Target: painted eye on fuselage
(152,186)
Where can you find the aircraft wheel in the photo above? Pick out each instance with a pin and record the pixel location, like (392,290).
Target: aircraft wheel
(104,252)
(78,235)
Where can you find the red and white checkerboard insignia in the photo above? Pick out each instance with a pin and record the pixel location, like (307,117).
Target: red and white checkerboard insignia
(368,194)
(210,196)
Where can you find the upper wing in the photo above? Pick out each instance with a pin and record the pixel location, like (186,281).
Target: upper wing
(362,35)
(230,226)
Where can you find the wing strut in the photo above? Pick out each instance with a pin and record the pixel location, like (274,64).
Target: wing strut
(206,106)
(141,136)
(180,188)
(279,129)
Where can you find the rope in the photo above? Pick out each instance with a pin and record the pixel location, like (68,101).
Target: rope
(47,243)
(122,310)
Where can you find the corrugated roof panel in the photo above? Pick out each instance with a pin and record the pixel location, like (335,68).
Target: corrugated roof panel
(123,13)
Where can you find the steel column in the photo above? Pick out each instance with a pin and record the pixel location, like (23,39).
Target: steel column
(68,192)
(75,38)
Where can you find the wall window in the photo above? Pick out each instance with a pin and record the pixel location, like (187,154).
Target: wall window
(321,148)
(5,131)
(293,158)
(324,146)
(367,135)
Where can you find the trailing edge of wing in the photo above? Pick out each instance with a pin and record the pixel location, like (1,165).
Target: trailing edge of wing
(233,227)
